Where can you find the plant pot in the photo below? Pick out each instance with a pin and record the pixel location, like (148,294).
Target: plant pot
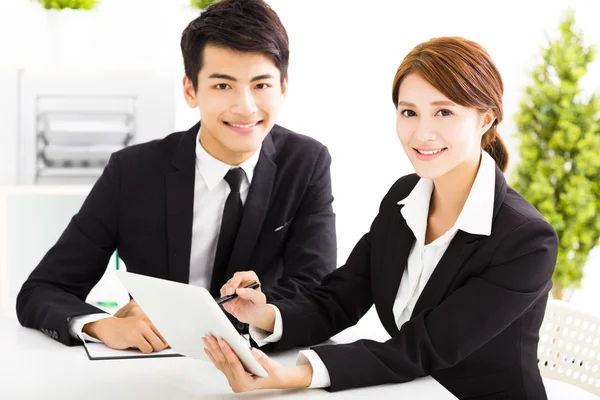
(70,35)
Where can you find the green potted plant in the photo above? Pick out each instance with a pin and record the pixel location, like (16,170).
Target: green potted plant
(69,23)
(201,4)
(559,170)
(68,4)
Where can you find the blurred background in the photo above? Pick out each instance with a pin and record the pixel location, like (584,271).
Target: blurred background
(77,85)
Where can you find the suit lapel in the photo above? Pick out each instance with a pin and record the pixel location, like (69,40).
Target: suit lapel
(458,253)
(395,255)
(255,209)
(180,206)
(460,249)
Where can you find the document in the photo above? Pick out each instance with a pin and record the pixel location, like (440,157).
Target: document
(99,351)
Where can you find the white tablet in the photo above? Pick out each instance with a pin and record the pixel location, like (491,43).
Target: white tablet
(183,314)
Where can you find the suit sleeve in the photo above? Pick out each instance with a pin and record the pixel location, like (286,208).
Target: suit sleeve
(518,276)
(311,249)
(343,297)
(57,288)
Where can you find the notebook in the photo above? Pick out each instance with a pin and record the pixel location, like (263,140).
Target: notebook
(99,351)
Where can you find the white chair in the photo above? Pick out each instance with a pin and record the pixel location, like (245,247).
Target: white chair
(569,351)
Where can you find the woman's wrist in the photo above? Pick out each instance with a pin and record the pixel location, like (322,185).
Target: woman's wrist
(267,323)
(300,376)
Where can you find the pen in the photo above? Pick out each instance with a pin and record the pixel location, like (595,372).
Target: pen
(252,285)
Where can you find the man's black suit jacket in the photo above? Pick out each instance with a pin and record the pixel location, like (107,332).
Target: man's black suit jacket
(474,327)
(142,205)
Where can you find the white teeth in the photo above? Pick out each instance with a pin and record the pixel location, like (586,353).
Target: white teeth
(242,126)
(428,153)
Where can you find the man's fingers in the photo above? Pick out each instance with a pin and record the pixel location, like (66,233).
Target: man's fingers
(157,333)
(143,345)
(121,311)
(129,309)
(152,338)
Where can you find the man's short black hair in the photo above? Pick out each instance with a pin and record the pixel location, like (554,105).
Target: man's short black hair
(240,25)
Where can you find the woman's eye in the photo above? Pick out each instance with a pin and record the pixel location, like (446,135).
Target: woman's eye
(409,113)
(445,113)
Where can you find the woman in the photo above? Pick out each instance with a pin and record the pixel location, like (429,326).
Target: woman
(457,263)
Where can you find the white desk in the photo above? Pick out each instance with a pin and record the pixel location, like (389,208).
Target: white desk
(33,366)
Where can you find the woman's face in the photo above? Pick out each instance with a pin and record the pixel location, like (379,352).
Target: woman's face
(437,134)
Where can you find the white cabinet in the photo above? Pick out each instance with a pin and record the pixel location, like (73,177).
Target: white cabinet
(58,129)
(76,134)
(71,121)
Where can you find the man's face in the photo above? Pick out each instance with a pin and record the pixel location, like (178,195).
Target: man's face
(239,96)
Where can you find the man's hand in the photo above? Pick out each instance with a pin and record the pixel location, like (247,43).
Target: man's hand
(123,333)
(130,309)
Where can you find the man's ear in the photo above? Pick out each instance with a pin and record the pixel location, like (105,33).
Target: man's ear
(284,87)
(189,92)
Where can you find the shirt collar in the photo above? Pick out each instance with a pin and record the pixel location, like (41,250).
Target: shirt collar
(213,170)
(477,213)
(416,208)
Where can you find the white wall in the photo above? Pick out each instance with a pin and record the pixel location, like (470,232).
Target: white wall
(9,123)
(343,57)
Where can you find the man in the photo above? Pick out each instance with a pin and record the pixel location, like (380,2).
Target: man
(235,192)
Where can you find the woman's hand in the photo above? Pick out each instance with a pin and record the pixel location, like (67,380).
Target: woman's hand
(250,306)
(280,377)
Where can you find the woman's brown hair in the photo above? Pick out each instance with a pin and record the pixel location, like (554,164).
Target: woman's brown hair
(464,72)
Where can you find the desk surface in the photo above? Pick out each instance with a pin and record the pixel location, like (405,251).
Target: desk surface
(34,366)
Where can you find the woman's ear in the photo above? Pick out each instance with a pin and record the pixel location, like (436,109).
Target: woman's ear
(487,120)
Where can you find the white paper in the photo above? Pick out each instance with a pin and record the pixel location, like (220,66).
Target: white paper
(99,351)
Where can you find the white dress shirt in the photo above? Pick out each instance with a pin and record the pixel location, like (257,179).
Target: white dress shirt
(210,192)
(475,218)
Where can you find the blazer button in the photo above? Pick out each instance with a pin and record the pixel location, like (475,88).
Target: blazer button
(55,335)
(240,326)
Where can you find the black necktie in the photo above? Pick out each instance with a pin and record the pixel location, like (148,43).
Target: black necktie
(232,215)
